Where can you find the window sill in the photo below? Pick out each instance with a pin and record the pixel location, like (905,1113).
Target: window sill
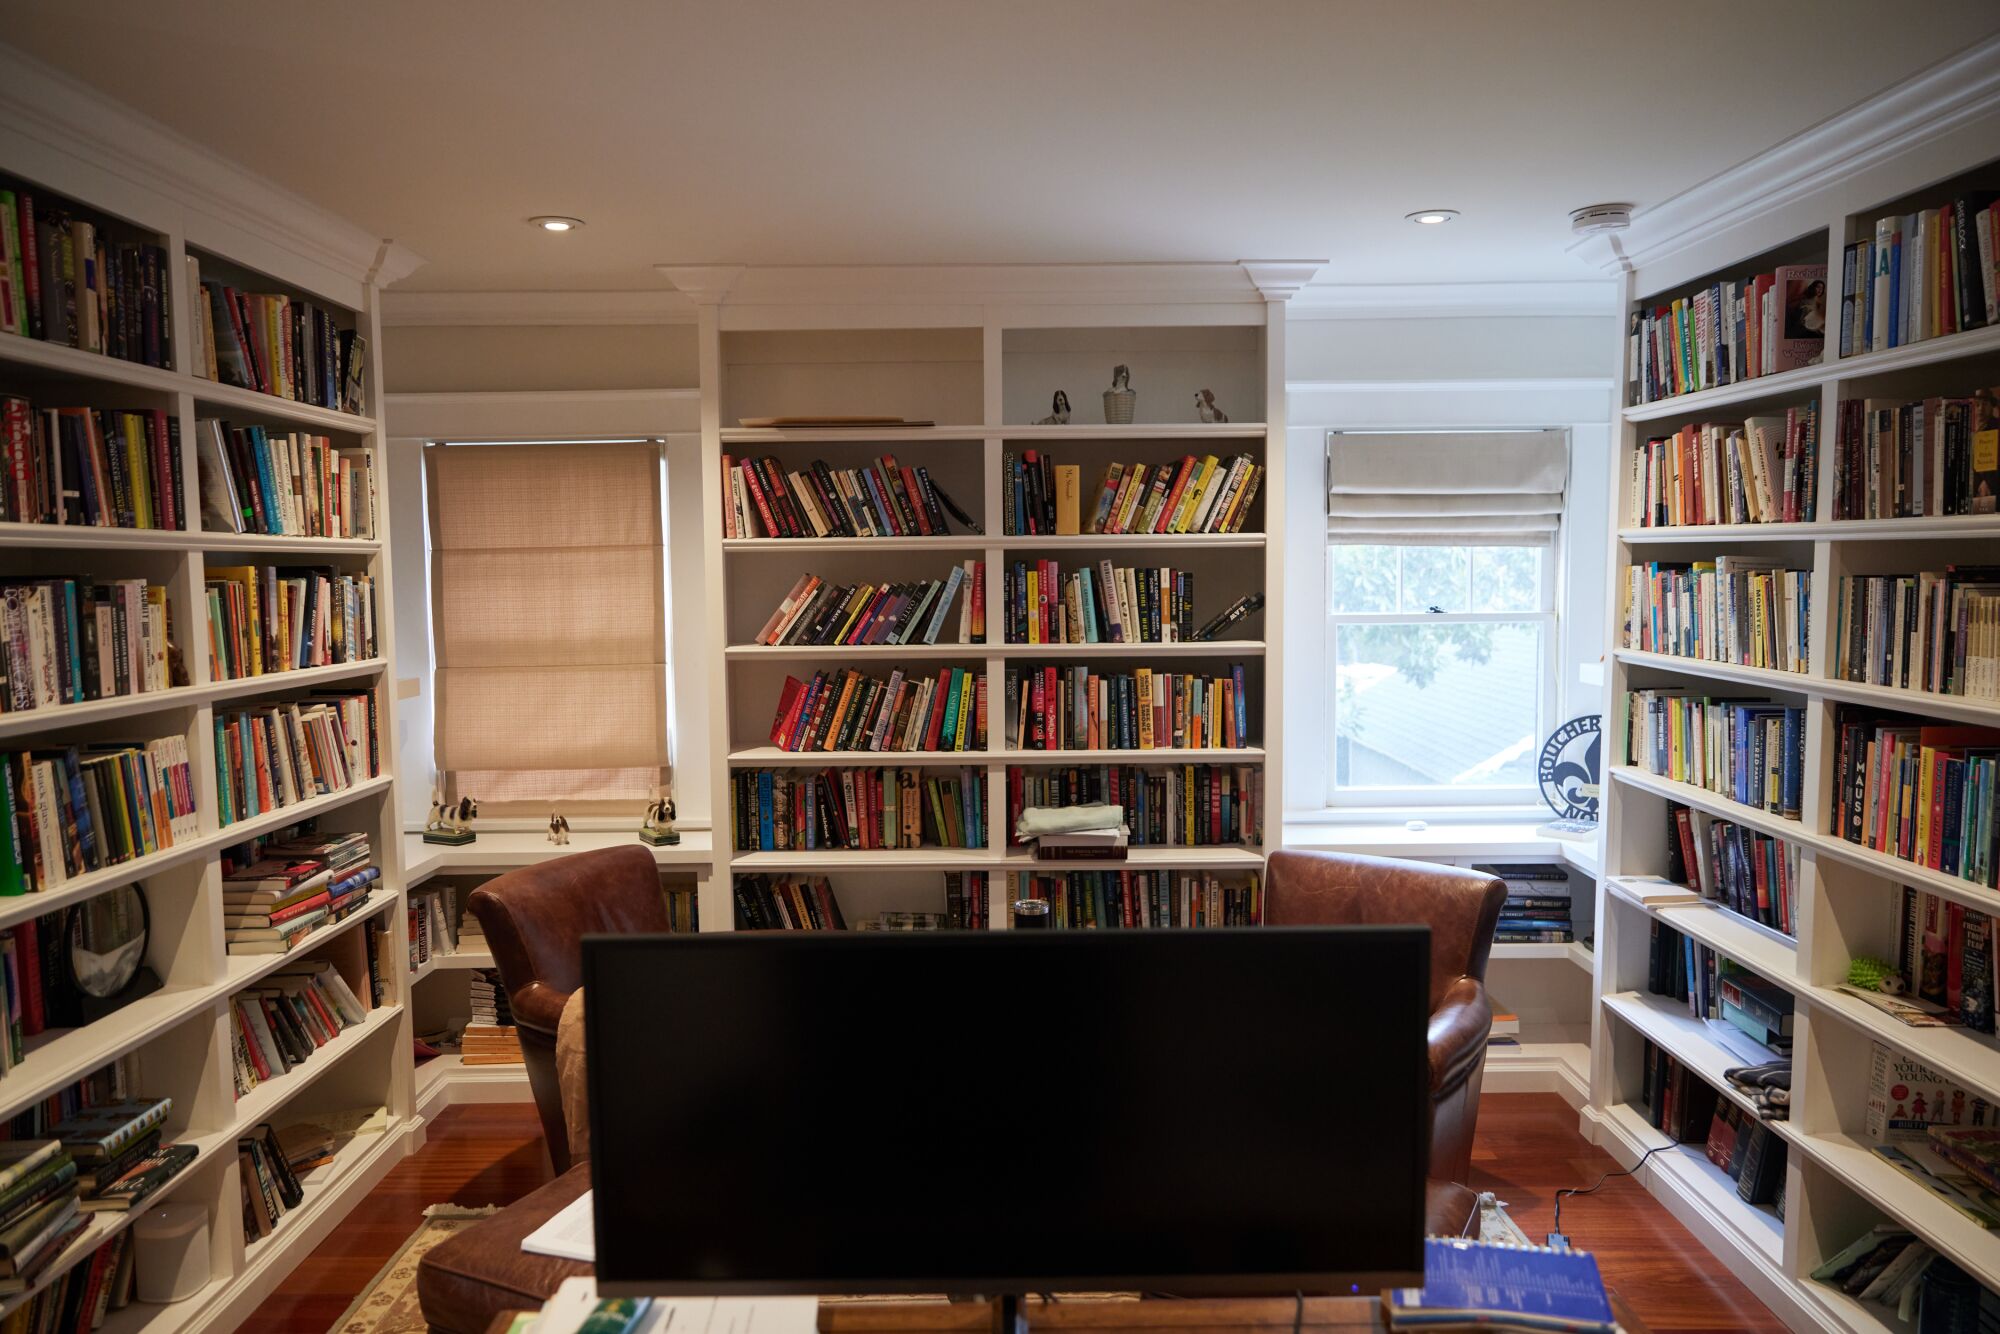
(1511,839)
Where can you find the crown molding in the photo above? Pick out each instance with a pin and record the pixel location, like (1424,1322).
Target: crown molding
(991,284)
(418,309)
(61,113)
(1927,106)
(1376,301)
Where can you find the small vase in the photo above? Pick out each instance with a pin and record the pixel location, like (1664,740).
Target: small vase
(1118,406)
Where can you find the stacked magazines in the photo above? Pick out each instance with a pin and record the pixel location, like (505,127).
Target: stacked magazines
(297,886)
(1537,910)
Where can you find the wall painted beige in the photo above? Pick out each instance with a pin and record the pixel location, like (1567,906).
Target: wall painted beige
(1471,348)
(423,359)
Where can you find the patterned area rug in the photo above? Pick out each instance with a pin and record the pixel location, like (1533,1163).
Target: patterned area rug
(388,1305)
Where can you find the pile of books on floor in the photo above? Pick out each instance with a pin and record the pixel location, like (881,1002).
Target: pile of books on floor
(303,1005)
(1537,909)
(297,886)
(490,1036)
(1891,1268)
(1092,833)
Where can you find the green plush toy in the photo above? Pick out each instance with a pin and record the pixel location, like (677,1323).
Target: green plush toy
(1874,975)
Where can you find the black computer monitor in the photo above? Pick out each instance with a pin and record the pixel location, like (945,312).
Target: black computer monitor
(1004,1112)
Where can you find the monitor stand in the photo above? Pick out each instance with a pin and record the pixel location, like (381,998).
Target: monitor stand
(1009,1315)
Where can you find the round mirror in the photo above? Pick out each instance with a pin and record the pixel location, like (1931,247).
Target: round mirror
(106,937)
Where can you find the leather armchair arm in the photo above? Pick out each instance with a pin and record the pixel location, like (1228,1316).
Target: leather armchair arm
(539,1006)
(1458,1031)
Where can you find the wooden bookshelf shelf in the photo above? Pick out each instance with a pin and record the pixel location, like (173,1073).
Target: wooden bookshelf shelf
(857,652)
(1176,432)
(260,1104)
(20,350)
(772,757)
(1158,755)
(1962,708)
(223,400)
(864,435)
(177,697)
(1205,648)
(1691,1041)
(806,546)
(1836,530)
(1768,953)
(1025,543)
(1971,1059)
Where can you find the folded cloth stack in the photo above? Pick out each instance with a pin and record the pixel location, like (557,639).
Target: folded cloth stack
(1769,1086)
(1035,821)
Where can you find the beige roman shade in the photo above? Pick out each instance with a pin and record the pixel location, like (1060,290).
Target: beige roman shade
(1446,488)
(547,575)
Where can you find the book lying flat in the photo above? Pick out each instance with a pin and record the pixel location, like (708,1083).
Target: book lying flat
(1484,1284)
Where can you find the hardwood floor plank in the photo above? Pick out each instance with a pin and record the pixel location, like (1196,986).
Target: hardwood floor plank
(1527,1148)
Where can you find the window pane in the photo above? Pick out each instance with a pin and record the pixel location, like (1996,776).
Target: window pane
(1362,578)
(1437,705)
(1507,578)
(1434,578)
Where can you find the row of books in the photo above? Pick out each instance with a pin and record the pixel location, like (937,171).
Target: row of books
(69,812)
(1186,495)
(276,344)
(115,1081)
(271,1188)
(1714,986)
(90,467)
(787,903)
(278,1025)
(1075,708)
(270,907)
(1537,907)
(1761,470)
(1728,609)
(1921,275)
(66,641)
(1681,1104)
(1752,874)
(40,993)
(1179,805)
(290,485)
(1928,795)
(846,710)
(884,499)
(1106,605)
(1927,457)
(1947,955)
(274,618)
(1129,899)
(63,280)
(278,755)
(1937,631)
(1728,332)
(1749,750)
(1908,1104)
(1913,1284)
(430,913)
(778,810)
(820,611)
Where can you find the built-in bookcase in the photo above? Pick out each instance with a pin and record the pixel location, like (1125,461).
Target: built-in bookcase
(177,1042)
(984,385)
(1848,895)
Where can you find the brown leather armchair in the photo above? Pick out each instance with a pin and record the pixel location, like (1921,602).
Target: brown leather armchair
(1460,907)
(535,919)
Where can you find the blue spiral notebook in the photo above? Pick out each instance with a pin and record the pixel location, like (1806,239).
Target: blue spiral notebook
(1483,1285)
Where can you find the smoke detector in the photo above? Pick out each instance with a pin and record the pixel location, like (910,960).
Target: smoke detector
(1601,218)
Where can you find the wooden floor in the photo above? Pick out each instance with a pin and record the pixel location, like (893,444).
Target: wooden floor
(1527,1147)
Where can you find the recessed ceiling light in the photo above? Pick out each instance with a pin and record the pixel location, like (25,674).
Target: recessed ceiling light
(1431,217)
(550,222)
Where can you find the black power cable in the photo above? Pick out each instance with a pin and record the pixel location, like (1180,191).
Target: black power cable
(1556,1237)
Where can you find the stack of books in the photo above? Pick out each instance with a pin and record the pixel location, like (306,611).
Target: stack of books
(294,485)
(1761,470)
(884,499)
(1895,460)
(1916,1287)
(301,1007)
(276,344)
(1537,910)
(1176,805)
(490,1006)
(270,1188)
(95,467)
(820,611)
(72,283)
(119,1158)
(39,1209)
(274,902)
(490,1036)
(1075,833)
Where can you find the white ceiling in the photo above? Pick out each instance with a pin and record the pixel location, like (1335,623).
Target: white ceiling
(939,131)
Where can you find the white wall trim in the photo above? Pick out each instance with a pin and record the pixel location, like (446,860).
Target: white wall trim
(430,309)
(991,284)
(1926,106)
(48,106)
(1377,301)
(551,414)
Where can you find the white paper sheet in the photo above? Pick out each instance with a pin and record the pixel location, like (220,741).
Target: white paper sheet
(567,1236)
(577,1297)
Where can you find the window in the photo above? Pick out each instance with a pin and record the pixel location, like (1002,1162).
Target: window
(1441,624)
(548,595)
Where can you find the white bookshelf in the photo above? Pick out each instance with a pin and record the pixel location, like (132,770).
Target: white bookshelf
(1835,1188)
(179,1038)
(983,368)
